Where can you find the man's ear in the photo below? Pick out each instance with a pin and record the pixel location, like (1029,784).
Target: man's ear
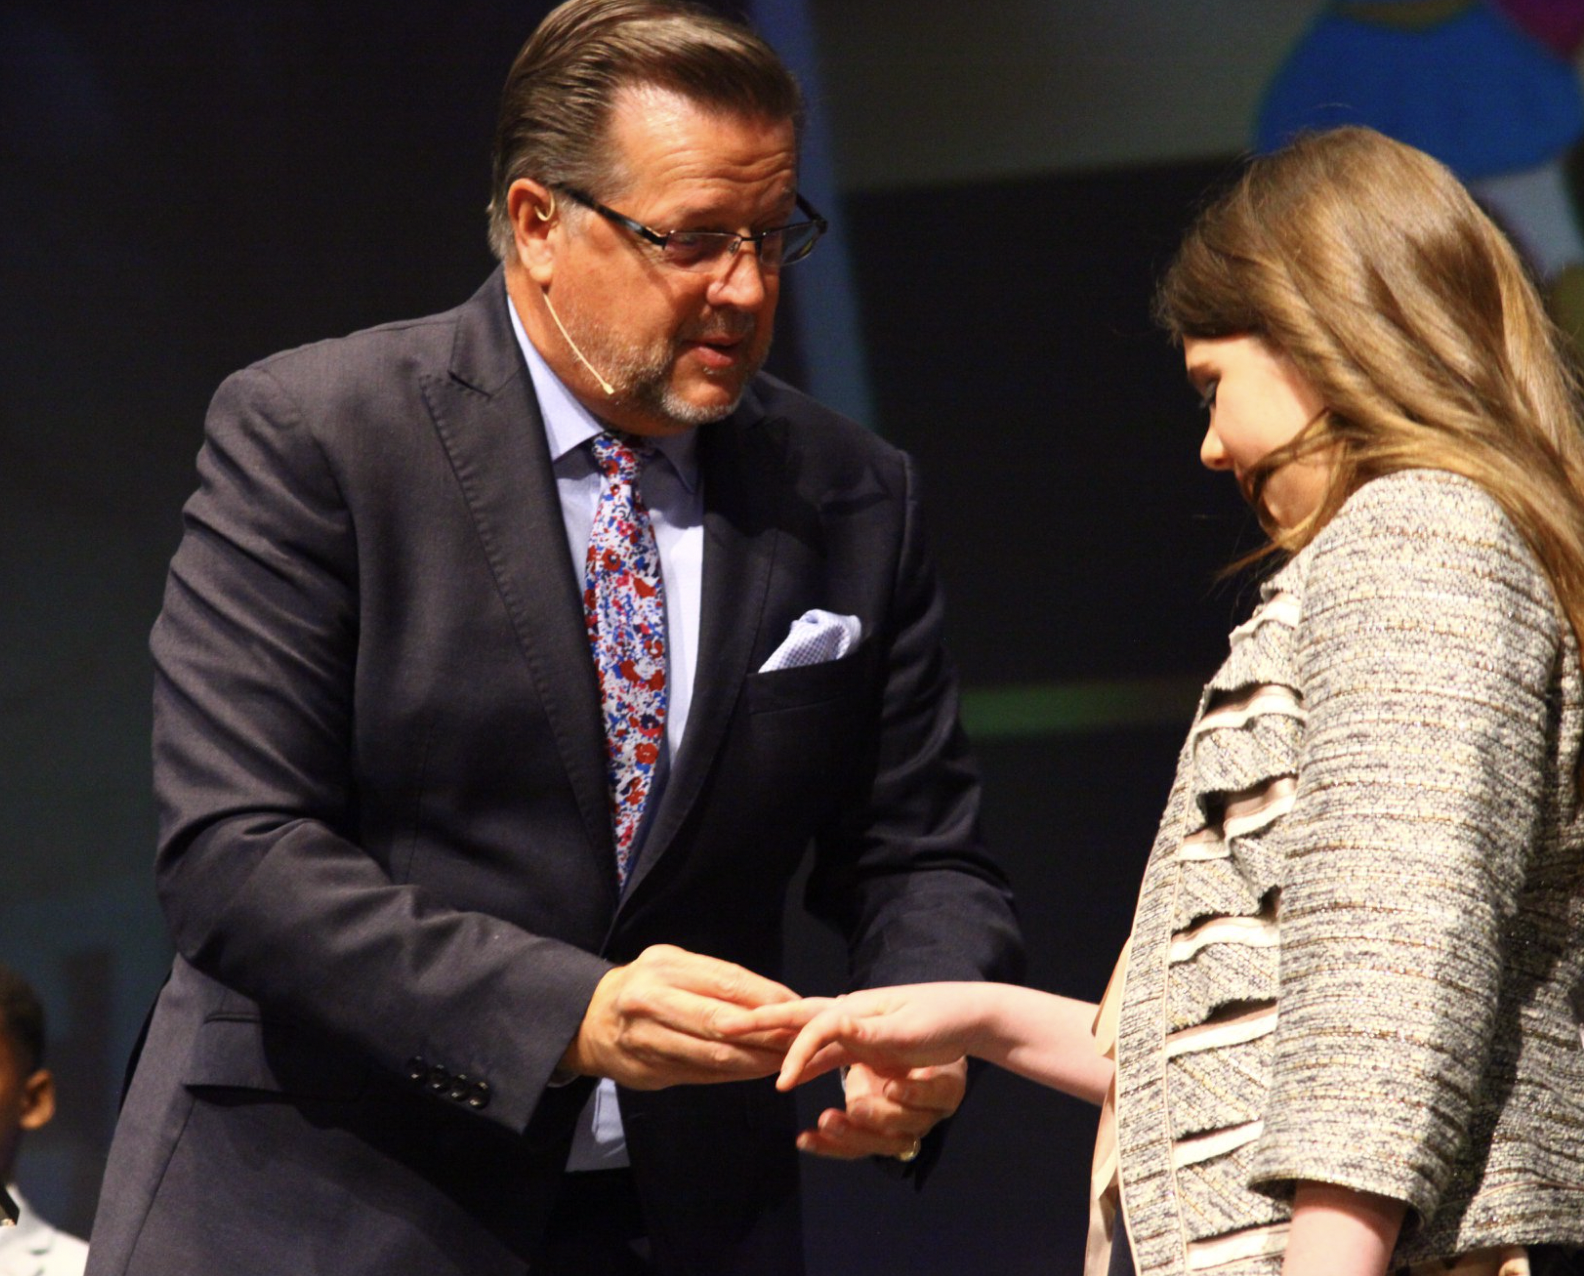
(535,215)
(38,1100)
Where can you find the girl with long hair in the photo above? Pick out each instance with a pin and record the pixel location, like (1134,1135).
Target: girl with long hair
(1345,1028)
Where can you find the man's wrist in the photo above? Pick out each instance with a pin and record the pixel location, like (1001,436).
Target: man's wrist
(572,1064)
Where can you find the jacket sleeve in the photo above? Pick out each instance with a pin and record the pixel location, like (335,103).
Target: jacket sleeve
(260,874)
(1427,650)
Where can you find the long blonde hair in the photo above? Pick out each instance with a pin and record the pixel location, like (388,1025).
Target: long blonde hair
(1368,265)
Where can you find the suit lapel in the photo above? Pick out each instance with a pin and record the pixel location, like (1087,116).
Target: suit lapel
(488,420)
(741,464)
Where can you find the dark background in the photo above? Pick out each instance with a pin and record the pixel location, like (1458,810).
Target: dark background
(187,187)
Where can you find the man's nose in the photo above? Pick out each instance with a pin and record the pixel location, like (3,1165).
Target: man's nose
(742,283)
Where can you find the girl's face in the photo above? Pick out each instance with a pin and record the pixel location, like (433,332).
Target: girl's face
(1257,401)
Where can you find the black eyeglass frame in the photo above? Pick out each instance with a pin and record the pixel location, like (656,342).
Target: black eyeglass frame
(660,238)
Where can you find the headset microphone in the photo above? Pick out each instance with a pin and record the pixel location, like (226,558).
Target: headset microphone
(544,215)
(605,385)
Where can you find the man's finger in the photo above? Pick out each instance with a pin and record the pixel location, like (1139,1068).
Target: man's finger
(677,1022)
(687,993)
(783,1016)
(707,1018)
(839,1137)
(653,1057)
(723,980)
(925,1090)
(649,1026)
(878,1100)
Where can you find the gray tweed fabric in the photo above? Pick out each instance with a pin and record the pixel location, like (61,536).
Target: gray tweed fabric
(1363,917)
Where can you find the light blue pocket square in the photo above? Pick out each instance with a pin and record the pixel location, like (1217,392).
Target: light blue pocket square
(816,636)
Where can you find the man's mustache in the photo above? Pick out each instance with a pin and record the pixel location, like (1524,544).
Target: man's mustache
(726,326)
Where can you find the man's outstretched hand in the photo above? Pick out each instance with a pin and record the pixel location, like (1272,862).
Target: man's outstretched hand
(887,1113)
(655,1023)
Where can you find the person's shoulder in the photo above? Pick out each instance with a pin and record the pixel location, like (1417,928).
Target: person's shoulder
(376,373)
(1427,534)
(1423,507)
(427,336)
(1415,497)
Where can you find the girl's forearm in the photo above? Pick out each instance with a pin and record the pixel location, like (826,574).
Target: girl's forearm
(1339,1232)
(1044,1037)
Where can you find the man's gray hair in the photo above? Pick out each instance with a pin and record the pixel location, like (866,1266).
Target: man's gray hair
(555,109)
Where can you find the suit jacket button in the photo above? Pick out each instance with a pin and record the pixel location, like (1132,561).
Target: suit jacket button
(439,1078)
(479,1098)
(417,1069)
(461,1087)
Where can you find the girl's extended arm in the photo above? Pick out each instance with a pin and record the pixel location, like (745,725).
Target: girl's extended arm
(1039,1035)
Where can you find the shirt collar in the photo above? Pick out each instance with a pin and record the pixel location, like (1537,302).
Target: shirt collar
(568,424)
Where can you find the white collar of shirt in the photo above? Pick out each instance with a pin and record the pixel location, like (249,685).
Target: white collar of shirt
(568,424)
(23,1247)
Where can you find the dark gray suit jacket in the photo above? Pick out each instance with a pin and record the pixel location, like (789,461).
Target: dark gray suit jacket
(385,851)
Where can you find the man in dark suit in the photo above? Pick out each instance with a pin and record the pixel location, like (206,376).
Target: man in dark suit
(451,994)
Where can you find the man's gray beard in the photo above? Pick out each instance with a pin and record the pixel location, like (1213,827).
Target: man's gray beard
(652,389)
(642,379)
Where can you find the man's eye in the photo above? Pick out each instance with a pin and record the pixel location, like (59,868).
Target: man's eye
(685,247)
(1207,396)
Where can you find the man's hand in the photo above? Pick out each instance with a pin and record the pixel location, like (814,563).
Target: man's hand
(656,1023)
(887,1114)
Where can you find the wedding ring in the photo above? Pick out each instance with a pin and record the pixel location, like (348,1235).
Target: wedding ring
(911,1153)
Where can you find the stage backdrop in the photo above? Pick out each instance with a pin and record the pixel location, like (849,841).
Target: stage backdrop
(189,185)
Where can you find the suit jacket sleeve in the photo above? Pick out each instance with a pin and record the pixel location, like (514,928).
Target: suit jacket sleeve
(260,870)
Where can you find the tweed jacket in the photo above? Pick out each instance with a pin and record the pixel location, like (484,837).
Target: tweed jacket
(1363,917)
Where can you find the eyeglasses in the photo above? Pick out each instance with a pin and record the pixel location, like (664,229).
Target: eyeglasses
(703,249)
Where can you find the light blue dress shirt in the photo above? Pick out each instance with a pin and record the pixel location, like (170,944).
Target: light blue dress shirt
(671,490)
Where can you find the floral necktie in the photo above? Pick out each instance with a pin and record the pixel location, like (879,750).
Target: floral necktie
(624,610)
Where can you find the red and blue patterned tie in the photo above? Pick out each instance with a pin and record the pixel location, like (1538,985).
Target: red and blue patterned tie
(624,609)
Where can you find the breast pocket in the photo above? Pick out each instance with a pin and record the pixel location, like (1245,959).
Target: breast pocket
(844,684)
(812,730)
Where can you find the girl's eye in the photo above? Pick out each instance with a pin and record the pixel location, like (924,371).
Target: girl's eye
(1207,397)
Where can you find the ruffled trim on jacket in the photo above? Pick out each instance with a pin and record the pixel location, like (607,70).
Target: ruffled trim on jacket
(1209,911)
